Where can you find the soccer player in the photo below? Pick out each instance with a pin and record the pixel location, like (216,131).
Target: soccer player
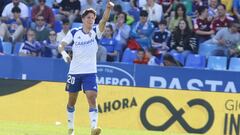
(82,72)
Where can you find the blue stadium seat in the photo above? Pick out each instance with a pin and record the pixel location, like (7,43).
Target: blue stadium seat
(76,24)
(17,48)
(195,61)
(206,49)
(179,57)
(234,64)
(57,26)
(129,55)
(7,47)
(217,62)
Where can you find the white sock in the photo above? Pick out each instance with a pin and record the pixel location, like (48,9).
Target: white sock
(70,113)
(93,113)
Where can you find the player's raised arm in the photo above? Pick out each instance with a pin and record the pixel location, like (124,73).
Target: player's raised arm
(106,15)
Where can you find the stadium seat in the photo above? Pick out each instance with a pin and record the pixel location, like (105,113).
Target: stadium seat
(217,63)
(195,61)
(234,64)
(129,55)
(7,47)
(76,24)
(206,49)
(17,48)
(179,57)
(57,26)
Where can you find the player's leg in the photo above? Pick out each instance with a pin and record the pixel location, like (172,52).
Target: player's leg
(72,98)
(73,86)
(90,87)
(93,112)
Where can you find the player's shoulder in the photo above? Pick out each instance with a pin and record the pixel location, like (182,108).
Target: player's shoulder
(74,30)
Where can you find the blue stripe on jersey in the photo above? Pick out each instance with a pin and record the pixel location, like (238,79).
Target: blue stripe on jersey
(95,29)
(74,30)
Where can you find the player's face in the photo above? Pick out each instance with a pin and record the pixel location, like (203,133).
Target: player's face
(89,20)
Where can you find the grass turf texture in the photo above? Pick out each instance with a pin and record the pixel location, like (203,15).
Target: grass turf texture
(22,128)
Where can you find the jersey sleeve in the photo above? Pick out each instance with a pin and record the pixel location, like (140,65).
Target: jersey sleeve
(69,37)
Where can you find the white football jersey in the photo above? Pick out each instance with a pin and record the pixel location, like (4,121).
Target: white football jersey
(84,50)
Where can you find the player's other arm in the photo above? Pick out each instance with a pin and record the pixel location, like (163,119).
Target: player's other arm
(61,50)
(106,15)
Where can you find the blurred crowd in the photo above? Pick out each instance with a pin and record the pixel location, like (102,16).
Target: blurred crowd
(139,31)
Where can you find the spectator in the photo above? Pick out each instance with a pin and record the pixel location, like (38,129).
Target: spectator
(226,40)
(40,29)
(64,31)
(236,9)
(101,54)
(169,61)
(141,57)
(69,9)
(110,44)
(134,11)
(155,11)
(3,3)
(122,30)
(142,30)
(51,45)
(14,28)
(85,4)
(195,6)
(7,11)
(202,26)
(161,37)
(229,5)
(167,7)
(221,21)
(212,8)
(155,58)
(30,47)
(45,11)
(30,3)
(117,9)
(183,40)
(180,13)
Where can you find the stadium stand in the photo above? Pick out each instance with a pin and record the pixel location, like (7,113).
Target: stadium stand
(195,61)
(217,62)
(234,64)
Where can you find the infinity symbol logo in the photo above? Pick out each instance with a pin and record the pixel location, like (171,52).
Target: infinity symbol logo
(176,115)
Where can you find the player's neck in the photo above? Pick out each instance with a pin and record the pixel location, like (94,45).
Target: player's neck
(86,30)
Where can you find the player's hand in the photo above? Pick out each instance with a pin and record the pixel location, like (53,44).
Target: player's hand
(66,57)
(110,4)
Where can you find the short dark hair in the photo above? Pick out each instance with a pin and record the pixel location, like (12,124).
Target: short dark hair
(201,9)
(16,9)
(87,11)
(224,6)
(143,13)
(65,21)
(163,22)
(117,8)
